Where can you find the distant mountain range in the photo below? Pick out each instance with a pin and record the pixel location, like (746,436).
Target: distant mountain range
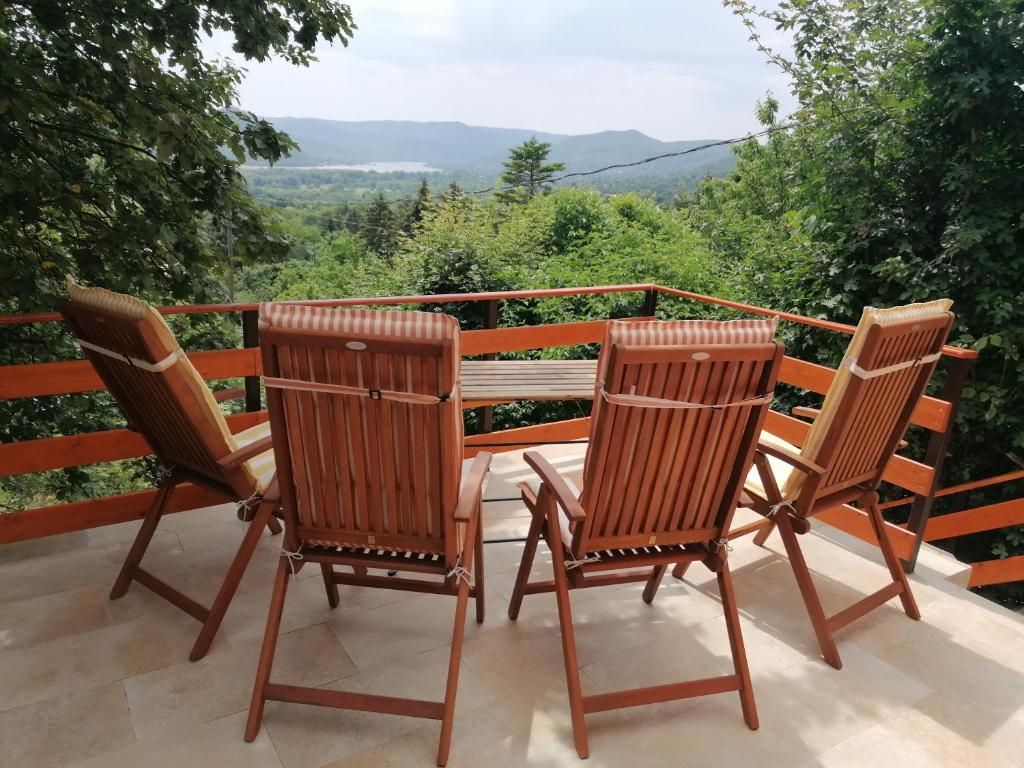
(452,146)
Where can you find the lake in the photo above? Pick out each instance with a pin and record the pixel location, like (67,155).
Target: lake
(366,167)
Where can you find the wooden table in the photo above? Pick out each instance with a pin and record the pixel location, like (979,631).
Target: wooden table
(489,382)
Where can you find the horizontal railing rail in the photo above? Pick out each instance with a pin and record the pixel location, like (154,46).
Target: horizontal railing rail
(935,414)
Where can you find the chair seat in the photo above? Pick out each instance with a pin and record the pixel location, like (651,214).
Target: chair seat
(261,465)
(780,469)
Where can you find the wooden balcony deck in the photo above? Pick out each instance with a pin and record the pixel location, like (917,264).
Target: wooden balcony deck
(89,682)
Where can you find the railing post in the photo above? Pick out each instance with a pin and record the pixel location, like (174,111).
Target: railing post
(250,339)
(490,323)
(935,457)
(650,303)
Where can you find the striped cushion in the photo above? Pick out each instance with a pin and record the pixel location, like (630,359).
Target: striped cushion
(201,404)
(833,398)
(260,466)
(681,332)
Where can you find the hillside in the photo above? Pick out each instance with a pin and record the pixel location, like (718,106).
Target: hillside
(453,146)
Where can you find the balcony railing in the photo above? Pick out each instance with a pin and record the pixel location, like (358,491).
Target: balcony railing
(918,477)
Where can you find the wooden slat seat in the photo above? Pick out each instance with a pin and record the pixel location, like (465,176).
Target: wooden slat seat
(677,410)
(366,415)
(167,402)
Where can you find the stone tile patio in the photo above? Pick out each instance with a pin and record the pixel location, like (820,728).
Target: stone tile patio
(89,682)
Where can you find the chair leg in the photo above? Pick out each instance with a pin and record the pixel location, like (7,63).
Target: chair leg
(526,564)
(454,662)
(893,562)
(739,654)
(144,536)
(657,574)
(762,536)
(478,574)
(252,726)
(679,570)
(231,580)
(572,667)
(274,526)
(332,589)
(803,579)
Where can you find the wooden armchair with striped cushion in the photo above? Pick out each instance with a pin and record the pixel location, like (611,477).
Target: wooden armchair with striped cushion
(677,412)
(861,422)
(165,400)
(367,426)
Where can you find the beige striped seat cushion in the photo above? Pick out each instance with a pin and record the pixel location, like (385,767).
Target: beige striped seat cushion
(260,466)
(201,402)
(790,482)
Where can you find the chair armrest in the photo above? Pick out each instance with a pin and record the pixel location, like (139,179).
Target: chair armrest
(472,488)
(550,477)
(228,394)
(803,412)
(246,452)
(786,455)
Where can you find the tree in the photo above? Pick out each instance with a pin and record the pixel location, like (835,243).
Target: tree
(906,175)
(419,207)
(112,128)
(381,228)
(527,172)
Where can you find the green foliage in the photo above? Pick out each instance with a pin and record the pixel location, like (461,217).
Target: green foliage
(903,182)
(527,172)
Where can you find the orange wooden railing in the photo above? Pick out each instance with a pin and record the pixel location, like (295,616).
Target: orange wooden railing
(41,379)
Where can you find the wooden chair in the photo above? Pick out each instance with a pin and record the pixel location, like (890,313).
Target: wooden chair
(677,412)
(165,400)
(367,427)
(862,420)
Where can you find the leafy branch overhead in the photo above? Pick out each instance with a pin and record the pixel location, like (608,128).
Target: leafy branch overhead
(121,139)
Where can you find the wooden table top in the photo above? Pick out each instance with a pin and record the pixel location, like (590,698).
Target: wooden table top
(486,382)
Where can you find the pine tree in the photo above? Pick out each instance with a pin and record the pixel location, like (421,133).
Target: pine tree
(380,228)
(419,207)
(526,172)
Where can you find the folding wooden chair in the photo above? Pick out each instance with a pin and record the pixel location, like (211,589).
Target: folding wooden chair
(367,426)
(860,425)
(677,412)
(168,403)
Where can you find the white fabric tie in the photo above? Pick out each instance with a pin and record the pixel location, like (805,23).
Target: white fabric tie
(135,362)
(570,564)
(774,508)
(724,544)
(850,363)
(292,557)
(246,504)
(459,572)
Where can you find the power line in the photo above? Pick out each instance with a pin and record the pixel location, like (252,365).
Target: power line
(576,174)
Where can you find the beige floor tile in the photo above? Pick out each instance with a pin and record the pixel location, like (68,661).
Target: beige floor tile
(49,617)
(46,546)
(66,729)
(89,659)
(177,697)
(213,745)
(394,754)
(314,736)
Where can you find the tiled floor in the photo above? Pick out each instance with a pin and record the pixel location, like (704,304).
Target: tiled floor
(89,682)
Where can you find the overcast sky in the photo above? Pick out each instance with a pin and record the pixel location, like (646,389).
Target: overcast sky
(674,69)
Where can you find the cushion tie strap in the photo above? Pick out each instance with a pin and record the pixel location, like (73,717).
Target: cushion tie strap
(640,401)
(570,564)
(341,389)
(135,362)
(850,363)
(292,557)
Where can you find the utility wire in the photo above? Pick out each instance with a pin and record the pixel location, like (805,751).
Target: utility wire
(574,174)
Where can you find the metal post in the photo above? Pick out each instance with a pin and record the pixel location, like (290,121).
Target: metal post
(935,456)
(650,303)
(250,339)
(490,323)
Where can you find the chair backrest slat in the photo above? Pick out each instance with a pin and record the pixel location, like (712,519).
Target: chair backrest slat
(659,471)
(376,461)
(171,408)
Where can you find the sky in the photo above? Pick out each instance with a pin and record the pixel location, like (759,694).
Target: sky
(674,69)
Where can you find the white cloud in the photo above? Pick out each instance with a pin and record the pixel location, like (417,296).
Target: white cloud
(675,69)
